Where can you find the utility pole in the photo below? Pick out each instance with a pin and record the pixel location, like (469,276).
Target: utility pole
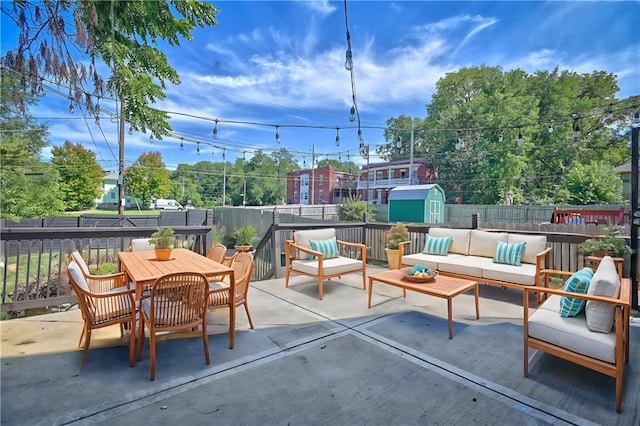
(121,161)
(224,185)
(411,155)
(313,173)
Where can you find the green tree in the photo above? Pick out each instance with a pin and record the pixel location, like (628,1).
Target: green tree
(123,34)
(148,178)
(593,183)
(28,186)
(80,175)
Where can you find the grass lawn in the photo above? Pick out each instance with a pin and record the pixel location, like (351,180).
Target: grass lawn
(131,212)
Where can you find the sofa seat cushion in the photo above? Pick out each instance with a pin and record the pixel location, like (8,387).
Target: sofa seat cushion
(430,260)
(459,242)
(464,265)
(571,333)
(524,274)
(336,265)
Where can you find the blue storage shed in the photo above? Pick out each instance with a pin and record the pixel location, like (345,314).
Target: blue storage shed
(417,203)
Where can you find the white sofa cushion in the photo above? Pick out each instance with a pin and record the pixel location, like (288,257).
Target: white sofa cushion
(605,282)
(460,242)
(524,274)
(464,265)
(336,265)
(302,238)
(547,325)
(535,244)
(430,260)
(484,243)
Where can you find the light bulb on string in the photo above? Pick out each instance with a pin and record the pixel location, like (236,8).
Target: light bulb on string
(352,113)
(131,130)
(151,137)
(277,134)
(610,113)
(399,142)
(304,162)
(213,150)
(224,153)
(181,143)
(576,128)
(360,138)
(501,137)
(459,144)
(198,148)
(72,108)
(520,138)
(215,130)
(97,118)
(348,61)
(550,129)
(244,155)
(348,156)
(337,136)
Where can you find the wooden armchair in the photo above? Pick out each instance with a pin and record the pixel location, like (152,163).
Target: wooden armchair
(219,253)
(331,258)
(98,283)
(220,292)
(102,309)
(177,302)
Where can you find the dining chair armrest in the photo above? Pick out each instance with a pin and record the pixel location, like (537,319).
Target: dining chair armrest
(105,283)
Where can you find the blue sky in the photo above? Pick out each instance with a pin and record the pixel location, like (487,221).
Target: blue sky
(282,63)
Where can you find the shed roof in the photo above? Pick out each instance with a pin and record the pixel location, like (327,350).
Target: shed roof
(412,192)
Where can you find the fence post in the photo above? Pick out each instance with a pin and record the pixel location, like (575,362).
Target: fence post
(474,221)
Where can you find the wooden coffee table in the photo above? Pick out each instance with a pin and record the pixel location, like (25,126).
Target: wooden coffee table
(441,286)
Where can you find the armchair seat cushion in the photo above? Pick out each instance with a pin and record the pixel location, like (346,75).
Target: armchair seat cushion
(547,325)
(333,266)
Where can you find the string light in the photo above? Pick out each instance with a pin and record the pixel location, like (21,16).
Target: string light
(198,148)
(501,137)
(215,129)
(151,137)
(213,150)
(277,134)
(398,142)
(459,144)
(576,127)
(348,62)
(520,138)
(337,136)
(181,143)
(224,153)
(550,129)
(352,113)
(131,130)
(610,114)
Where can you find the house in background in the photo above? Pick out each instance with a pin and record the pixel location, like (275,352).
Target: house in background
(375,181)
(109,197)
(323,185)
(625,174)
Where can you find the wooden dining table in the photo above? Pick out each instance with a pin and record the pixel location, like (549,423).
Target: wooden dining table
(143,268)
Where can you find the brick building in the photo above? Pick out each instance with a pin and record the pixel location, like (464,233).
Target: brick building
(323,185)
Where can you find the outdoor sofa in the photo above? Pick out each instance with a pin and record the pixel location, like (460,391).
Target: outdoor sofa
(498,258)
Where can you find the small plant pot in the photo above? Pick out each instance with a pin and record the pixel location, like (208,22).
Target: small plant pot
(393,258)
(163,253)
(243,248)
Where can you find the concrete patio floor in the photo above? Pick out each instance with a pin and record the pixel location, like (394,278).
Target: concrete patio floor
(312,362)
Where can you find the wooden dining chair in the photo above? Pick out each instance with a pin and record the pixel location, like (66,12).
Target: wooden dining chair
(231,295)
(177,302)
(102,309)
(217,253)
(141,244)
(100,283)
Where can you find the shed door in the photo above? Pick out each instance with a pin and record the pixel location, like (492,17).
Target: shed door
(435,207)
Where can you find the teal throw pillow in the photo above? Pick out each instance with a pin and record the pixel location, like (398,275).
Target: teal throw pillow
(437,245)
(329,248)
(577,283)
(510,254)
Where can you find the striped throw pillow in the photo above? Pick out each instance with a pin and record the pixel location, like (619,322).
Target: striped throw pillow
(510,254)
(437,245)
(329,248)
(577,283)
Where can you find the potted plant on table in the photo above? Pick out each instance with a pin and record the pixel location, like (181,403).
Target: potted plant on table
(611,244)
(395,236)
(164,241)
(244,236)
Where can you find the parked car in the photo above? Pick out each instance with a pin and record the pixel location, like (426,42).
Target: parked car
(164,204)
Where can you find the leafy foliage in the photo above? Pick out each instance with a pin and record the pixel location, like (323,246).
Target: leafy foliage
(163,238)
(470,137)
(353,209)
(148,178)
(123,34)
(245,235)
(593,183)
(397,234)
(611,241)
(80,175)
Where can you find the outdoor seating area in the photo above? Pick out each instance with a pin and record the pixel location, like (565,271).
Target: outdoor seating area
(398,347)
